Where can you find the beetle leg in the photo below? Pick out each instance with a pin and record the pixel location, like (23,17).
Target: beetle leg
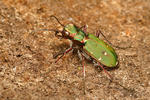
(100,32)
(97,34)
(105,71)
(83,66)
(98,64)
(59,53)
(63,53)
(86,56)
(84,28)
(83,72)
(81,56)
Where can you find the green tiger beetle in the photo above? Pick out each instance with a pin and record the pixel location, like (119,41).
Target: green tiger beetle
(88,46)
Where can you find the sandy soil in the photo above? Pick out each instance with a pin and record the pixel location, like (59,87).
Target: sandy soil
(29,72)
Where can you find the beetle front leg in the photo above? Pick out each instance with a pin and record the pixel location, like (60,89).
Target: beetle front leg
(63,53)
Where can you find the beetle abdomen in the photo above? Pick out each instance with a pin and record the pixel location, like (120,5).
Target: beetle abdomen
(100,51)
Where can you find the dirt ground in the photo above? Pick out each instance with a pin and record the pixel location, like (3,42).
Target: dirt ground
(28,70)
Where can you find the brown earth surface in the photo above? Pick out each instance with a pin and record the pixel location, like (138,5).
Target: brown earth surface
(29,72)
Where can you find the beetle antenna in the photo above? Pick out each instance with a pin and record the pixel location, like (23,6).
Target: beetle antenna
(56,31)
(43,30)
(57,20)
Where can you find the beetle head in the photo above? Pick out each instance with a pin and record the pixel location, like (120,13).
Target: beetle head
(68,30)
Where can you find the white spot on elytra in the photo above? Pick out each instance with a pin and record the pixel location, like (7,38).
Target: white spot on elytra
(100,59)
(117,63)
(105,53)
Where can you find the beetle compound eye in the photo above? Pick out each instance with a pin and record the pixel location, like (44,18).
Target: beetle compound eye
(67,33)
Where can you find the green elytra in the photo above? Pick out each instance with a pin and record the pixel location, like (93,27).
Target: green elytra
(93,46)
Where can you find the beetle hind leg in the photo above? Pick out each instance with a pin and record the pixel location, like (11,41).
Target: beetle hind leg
(100,32)
(98,64)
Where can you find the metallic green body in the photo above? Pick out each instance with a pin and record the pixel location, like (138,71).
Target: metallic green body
(100,51)
(76,33)
(71,28)
(94,47)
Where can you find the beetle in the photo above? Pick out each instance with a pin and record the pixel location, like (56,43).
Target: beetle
(88,46)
